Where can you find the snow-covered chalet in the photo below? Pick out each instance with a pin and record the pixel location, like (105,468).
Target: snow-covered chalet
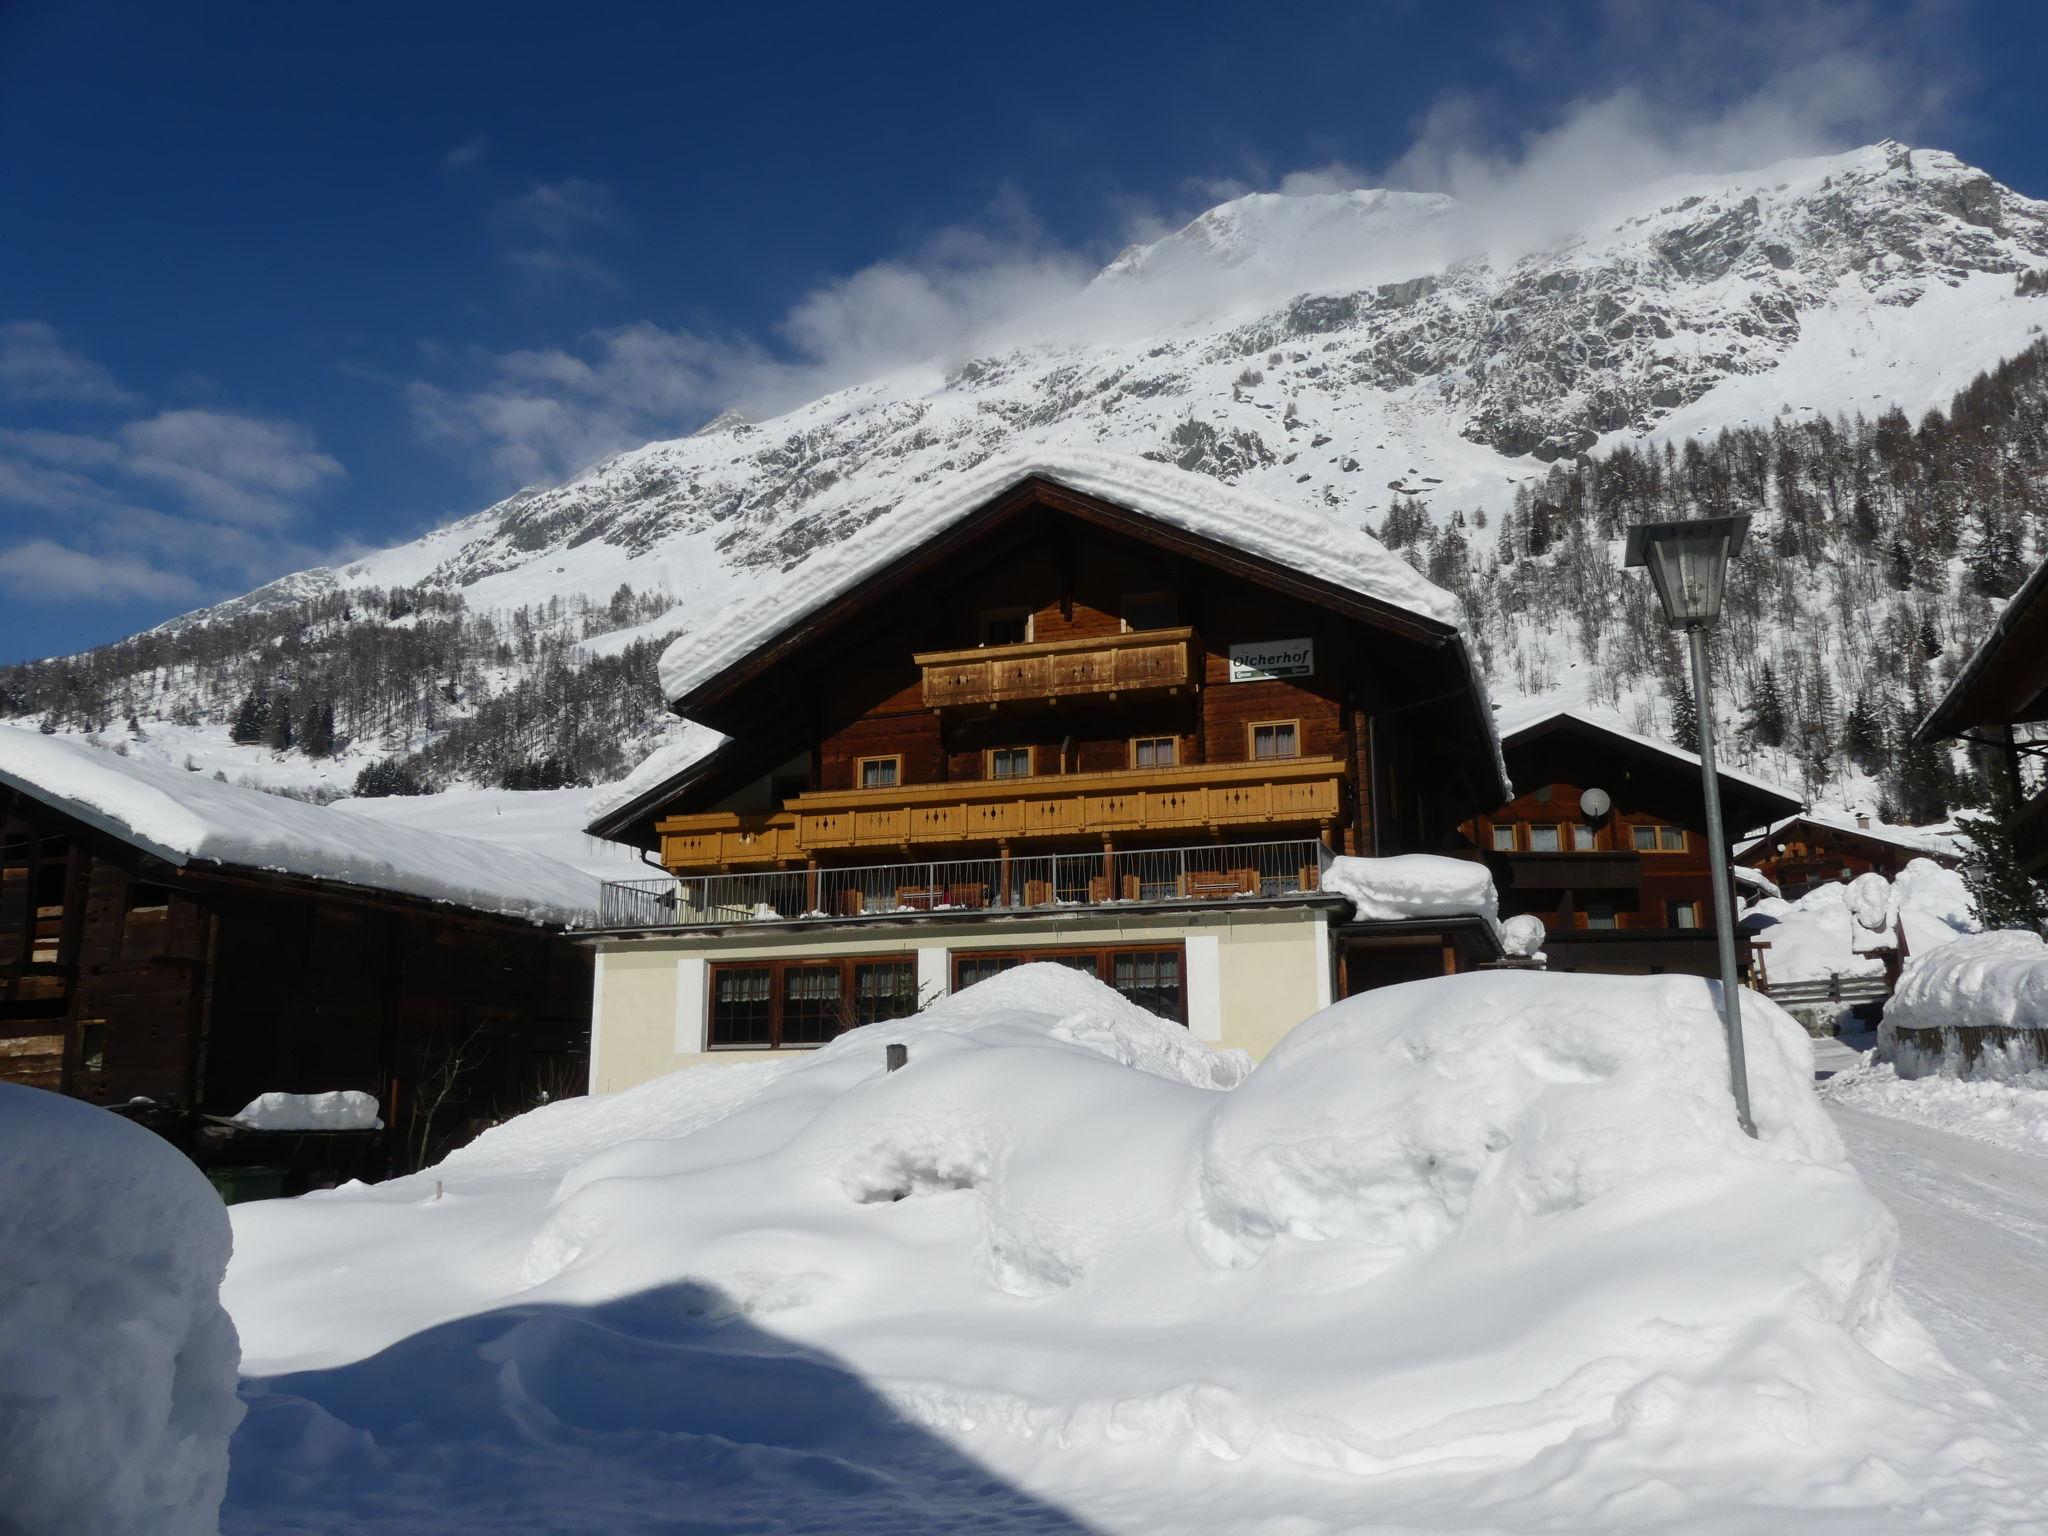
(1065,706)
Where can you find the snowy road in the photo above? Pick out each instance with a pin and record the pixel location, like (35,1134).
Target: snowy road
(1973,1265)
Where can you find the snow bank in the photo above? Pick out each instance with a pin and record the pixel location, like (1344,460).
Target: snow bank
(117,1364)
(2010,1112)
(187,817)
(1292,536)
(1975,1007)
(1413,885)
(687,743)
(1843,929)
(346,1109)
(1480,1252)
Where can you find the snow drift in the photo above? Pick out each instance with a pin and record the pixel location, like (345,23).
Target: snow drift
(117,1363)
(1844,929)
(1413,885)
(1486,1251)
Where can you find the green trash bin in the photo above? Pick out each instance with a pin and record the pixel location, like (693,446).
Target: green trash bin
(252,1183)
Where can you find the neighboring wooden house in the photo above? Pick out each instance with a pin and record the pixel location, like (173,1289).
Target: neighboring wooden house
(1624,886)
(2000,699)
(172,947)
(1818,848)
(1084,709)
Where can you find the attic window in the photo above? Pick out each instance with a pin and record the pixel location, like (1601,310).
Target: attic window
(1151,610)
(1005,626)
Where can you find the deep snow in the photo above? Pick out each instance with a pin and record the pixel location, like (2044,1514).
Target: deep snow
(1486,1252)
(117,1362)
(1842,929)
(186,817)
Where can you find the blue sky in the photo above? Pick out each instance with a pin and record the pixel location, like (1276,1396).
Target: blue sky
(281,283)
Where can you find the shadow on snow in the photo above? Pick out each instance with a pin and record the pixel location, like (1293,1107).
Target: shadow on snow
(659,1412)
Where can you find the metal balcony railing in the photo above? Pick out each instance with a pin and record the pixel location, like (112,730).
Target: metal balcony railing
(1215,872)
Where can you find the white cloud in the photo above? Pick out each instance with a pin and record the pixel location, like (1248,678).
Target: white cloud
(564,210)
(466,153)
(242,469)
(35,364)
(44,570)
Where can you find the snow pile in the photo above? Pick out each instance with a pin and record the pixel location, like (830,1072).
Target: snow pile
(186,817)
(1480,1252)
(117,1364)
(1992,982)
(1845,929)
(2010,1112)
(1413,885)
(346,1109)
(1523,936)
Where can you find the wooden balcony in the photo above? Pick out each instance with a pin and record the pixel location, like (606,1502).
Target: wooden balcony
(1042,672)
(1217,797)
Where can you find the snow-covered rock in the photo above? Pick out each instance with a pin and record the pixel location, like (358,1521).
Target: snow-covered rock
(117,1362)
(346,1109)
(1481,1252)
(1413,885)
(1523,936)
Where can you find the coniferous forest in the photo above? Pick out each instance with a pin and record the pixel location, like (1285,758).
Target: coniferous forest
(1880,549)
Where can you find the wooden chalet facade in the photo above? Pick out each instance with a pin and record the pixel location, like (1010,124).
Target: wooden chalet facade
(2000,699)
(175,992)
(1627,891)
(1058,727)
(1807,851)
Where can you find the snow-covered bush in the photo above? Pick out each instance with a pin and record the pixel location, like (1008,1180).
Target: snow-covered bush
(1482,1251)
(117,1362)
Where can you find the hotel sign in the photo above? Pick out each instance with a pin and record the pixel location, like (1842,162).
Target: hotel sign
(1262,660)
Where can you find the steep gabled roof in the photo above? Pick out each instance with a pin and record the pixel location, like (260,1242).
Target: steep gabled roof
(1290,548)
(1293,539)
(188,819)
(1762,798)
(1916,840)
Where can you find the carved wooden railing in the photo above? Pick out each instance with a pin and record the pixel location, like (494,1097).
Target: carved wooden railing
(1215,797)
(1035,672)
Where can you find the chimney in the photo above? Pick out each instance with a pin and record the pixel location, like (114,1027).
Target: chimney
(1863,821)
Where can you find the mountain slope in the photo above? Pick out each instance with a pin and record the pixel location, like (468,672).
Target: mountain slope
(1366,354)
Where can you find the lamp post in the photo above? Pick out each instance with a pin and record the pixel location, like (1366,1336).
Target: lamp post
(1688,564)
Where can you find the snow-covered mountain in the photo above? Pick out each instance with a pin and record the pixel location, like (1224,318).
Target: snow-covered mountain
(1338,349)
(1349,351)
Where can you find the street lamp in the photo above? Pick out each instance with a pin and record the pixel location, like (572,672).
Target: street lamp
(1688,564)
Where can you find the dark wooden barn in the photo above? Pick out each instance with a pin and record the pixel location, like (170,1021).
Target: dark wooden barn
(175,989)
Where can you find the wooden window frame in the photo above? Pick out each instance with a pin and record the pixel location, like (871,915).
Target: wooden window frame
(1553,827)
(860,765)
(1684,839)
(988,764)
(1657,829)
(1104,956)
(1013,611)
(849,972)
(1251,740)
(1698,912)
(1514,837)
(1591,834)
(1173,743)
(1170,598)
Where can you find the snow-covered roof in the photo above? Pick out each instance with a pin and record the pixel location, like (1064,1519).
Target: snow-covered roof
(1291,536)
(1918,840)
(187,818)
(1527,715)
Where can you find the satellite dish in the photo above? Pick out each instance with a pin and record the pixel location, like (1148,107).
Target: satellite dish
(1594,802)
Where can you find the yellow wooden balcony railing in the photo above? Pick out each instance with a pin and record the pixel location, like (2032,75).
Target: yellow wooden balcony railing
(1215,797)
(1148,660)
